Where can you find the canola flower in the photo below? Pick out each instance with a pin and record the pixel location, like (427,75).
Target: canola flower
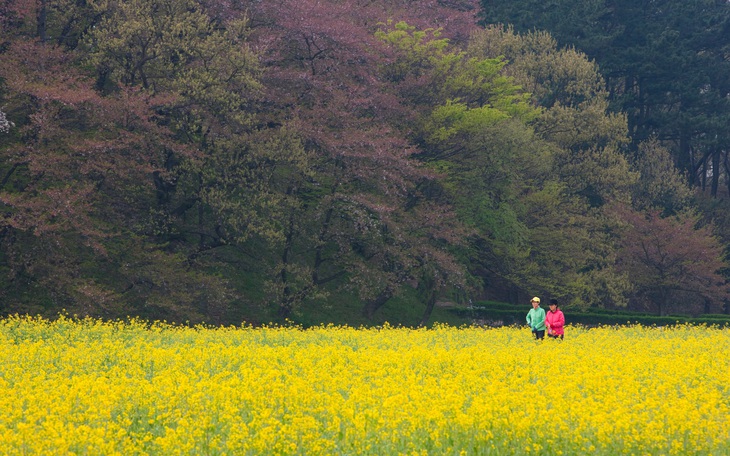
(105,388)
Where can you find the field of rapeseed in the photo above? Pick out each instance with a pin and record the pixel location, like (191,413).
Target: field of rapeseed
(87,387)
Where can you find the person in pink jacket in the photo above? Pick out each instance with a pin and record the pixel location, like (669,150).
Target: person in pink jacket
(555,320)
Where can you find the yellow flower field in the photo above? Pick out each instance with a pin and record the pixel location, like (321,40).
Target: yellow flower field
(88,387)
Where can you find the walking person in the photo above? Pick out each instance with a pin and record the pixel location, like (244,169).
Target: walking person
(536,319)
(555,320)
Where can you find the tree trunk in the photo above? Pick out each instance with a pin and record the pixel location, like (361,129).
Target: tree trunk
(42,16)
(430,304)
(727,171)
(286,305)
(685,159)
(318,259)
(372,305)
(715,172)
(662,303)
(514,294)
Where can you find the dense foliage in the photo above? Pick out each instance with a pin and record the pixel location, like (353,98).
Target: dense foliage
(228,161)
(665,63)
(666,67)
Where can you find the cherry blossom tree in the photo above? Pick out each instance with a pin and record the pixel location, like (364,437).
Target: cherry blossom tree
(665,256)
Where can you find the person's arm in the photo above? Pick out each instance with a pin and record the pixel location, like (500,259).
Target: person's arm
(561,320)
(529,319)
(548,323)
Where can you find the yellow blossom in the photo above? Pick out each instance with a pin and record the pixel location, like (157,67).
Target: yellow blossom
(85,386)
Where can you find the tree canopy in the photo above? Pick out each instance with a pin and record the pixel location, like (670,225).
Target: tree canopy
(666,68)
(221,162)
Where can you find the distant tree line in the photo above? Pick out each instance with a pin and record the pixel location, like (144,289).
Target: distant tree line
(666,65)
(225,161)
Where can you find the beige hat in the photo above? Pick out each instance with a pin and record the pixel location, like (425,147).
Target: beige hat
(535,299)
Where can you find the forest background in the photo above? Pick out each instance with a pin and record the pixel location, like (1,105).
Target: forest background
(352,160)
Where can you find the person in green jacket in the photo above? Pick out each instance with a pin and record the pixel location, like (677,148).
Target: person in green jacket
(536,319)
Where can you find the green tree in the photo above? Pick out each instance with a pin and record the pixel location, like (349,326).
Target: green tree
(576,168)
(664,63)
(660,186)
(358,222)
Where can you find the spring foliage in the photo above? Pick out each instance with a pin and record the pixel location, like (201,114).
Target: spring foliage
(221,161)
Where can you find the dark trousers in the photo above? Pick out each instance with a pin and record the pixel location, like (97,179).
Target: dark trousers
(539,334)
